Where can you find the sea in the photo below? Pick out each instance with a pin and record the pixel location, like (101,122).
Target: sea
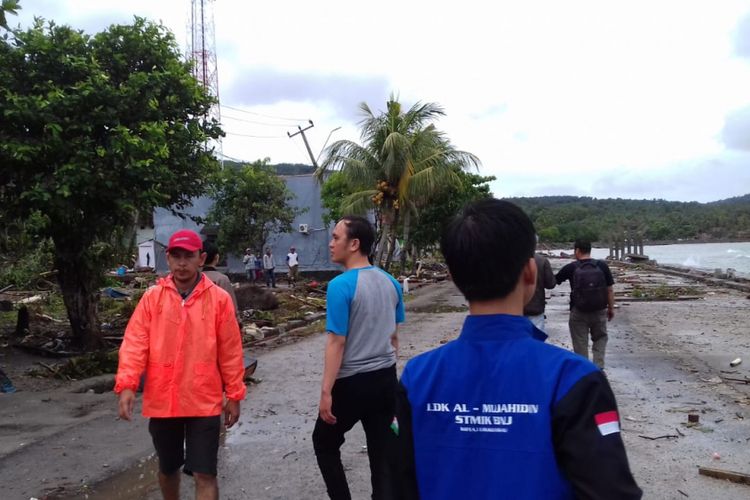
(701,256)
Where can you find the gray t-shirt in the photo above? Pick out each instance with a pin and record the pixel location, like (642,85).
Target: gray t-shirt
(364,305)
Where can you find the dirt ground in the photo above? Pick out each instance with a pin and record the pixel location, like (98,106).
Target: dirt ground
(665,360)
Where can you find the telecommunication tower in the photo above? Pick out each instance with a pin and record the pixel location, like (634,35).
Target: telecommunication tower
(202,50)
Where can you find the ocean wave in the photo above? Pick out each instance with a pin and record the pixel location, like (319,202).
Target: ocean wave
(692,262)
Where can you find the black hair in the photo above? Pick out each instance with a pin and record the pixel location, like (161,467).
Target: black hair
(486,247)
(211,251)
(359,228)
(583,245)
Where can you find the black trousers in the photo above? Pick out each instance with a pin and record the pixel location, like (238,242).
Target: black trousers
(370,398)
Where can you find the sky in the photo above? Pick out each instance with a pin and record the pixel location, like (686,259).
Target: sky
(609,99)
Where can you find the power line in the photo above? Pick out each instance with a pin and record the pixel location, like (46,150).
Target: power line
(265,116)
(257,136)
(257,122)
(227,157)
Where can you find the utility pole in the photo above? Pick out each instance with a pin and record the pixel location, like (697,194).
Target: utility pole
(304,138)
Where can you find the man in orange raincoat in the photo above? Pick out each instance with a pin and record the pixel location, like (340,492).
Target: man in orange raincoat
(184,335)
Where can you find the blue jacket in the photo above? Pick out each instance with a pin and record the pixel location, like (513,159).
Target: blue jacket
(499,414)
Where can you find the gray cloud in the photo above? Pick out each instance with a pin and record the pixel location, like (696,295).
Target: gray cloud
(705,180)
(343,92)
(742,37)
(736,131)
(89,22)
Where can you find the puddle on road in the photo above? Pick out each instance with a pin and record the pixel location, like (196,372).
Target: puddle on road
(131,484)
(135,483)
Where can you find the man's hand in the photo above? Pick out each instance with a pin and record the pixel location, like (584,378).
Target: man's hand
(231,412)
(326,402)
(126,404)
(610,313)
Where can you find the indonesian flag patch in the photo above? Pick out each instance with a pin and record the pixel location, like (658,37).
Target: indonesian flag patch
(608,422)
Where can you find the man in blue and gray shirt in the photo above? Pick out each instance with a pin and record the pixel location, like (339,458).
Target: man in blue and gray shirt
(364,306)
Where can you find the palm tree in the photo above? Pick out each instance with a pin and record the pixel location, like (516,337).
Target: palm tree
(402,161)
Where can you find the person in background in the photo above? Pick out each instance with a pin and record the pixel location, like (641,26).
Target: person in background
(292,260)
(6,385)
(269,266)
(497,413)
(248,260)
(364,306)
(534,309)
(184,330)
(592,301)
(221,279)
(258,267)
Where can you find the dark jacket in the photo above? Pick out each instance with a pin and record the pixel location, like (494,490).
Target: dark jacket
(544,279)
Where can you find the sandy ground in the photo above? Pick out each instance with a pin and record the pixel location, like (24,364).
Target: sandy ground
(664,360)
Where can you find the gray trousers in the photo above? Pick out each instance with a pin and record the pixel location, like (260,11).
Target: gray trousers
(582,324)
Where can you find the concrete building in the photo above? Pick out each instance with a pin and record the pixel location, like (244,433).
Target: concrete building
(309,234)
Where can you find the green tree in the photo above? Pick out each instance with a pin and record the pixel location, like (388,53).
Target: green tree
(332,194)
(403,160)
(433,217)
(549,234)
(93,130)
(7,7)
(250,204)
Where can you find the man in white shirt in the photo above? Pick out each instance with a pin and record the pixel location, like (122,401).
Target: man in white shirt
(268,268)
(249,261)
(292,260)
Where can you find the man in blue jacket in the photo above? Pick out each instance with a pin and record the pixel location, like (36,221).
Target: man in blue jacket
(497,413)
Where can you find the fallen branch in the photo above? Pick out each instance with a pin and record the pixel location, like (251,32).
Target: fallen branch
(665,436)
(54,370)
(31,300)
(735,477)
(317,303)
(743,380)
(50,318)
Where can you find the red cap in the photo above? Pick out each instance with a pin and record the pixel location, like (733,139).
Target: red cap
(186,239)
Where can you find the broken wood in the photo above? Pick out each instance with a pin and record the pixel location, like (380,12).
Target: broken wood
(661,299)
(665,436)
(735,477)
(50,318)
(743,380)
(54,370)
(31,300)
(316,303)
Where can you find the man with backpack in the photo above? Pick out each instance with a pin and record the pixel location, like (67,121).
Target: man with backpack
(592,301)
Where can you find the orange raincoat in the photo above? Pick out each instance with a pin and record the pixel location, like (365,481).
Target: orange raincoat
(191,351)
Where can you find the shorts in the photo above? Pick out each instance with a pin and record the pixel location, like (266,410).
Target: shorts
(192,441)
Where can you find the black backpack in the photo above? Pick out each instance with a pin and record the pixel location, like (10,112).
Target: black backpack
(589,287)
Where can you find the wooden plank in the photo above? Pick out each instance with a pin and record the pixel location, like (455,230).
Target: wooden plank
(735,477)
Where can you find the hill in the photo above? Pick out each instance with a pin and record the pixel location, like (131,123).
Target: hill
(279,168)
(565,218)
